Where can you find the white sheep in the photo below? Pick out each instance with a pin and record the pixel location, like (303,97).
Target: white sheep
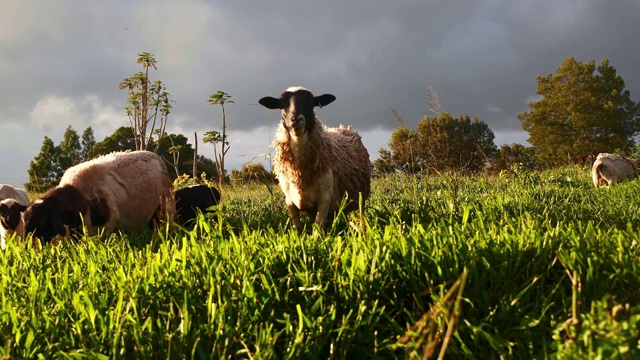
(317,167)
(9,192)
(609,169)
(13,201)
(124,190)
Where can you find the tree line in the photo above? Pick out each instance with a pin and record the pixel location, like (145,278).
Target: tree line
(583,109)
(148,109)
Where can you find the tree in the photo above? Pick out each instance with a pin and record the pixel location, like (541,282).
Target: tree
(122,139)
(251,172)
(508,155)
(149,105)
(219,98)
(442,143)
(88,142)
(583,109)
(383,164)
(70,149)
(454,144)
(44,171)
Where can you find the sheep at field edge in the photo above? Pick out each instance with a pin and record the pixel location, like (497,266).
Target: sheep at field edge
(317,167)
(13,202)
(609,169)
(192,198)
(9,192)
(123,190)
(11,219)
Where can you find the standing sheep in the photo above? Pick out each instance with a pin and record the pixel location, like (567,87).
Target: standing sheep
(609,169)
(123,190)
(317,167)
(13,201)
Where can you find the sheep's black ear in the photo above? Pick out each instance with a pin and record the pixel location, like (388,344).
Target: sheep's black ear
(323,100)
(56,222)
(270,102)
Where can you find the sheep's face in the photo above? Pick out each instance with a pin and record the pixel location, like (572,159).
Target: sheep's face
(39,220)
(10,213)
(296,105)
(46,217)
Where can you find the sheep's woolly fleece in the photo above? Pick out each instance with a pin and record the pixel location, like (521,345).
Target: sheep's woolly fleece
(134,183)
(609,169)
(328,149)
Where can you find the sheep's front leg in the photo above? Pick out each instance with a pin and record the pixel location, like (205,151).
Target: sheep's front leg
(294,212)
(324,202)
(323,211)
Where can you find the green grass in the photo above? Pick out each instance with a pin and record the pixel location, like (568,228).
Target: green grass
(526,266)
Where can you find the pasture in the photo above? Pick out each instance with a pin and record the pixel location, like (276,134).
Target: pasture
(529,265)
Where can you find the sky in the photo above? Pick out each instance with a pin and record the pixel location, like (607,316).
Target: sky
(61,63)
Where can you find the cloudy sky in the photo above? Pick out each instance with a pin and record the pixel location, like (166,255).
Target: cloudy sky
(61,63)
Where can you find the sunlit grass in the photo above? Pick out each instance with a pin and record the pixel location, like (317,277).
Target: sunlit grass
(525,266)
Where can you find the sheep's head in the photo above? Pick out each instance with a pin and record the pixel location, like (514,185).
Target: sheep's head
(297,104)
(10,213)
(46,217)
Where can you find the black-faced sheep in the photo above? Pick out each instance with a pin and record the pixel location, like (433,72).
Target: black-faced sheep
(13,201)
(317,167)
(609,169)
(192,198)
(121,190)
(10,219)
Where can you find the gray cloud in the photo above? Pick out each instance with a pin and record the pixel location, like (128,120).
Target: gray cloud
(60,64)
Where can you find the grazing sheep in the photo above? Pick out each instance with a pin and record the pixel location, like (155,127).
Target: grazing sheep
(317,167)
(609,169)
(120,190)
(10,219)
(13,201)
(194,197)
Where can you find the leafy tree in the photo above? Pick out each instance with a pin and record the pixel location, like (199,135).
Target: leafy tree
(70,149)
(583,109)
(88,142)
(149,105)
(454,144)
(404,149)
(122,139)
(383,164)
(214,137)
(251,172)
(508,155)
(44,171)
(442,143)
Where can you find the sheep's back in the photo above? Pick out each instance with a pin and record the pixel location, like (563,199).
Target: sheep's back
(350,163)
(134,184)
(9,192)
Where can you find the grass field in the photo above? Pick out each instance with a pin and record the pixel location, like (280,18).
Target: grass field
(529,265)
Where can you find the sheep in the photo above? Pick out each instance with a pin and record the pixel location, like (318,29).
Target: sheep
(122,190)
(13,201)
(317,167)
(10,219)
(9,192)
(609,169)
(193,197)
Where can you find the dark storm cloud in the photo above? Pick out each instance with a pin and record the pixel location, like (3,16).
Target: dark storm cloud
(61,63)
